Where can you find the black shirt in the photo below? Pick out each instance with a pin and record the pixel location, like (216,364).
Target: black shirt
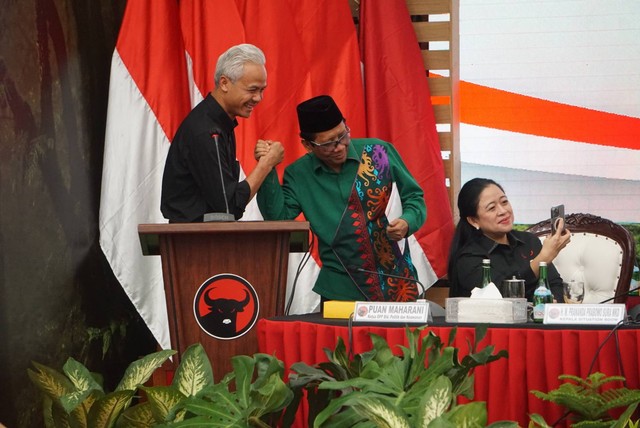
(506,261)
(191,184)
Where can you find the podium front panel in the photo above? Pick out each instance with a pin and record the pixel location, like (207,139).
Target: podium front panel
(256,253)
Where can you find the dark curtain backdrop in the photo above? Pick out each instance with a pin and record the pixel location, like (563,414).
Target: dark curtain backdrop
(58,297)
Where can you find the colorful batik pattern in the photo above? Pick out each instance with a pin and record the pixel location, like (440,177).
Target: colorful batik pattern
(361,242)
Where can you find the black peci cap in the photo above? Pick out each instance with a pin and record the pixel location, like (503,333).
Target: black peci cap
(318,114)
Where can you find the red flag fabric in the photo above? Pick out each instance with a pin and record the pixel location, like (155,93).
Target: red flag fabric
(330,46)
(399,110)
(148,99)
(311,49)
(270,27)
(209,28)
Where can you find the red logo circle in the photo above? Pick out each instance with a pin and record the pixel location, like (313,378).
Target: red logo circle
(226,306)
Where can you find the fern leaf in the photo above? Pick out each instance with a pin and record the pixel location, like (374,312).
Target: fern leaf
(587,406)
(594,381)
(621,397)
(577,379)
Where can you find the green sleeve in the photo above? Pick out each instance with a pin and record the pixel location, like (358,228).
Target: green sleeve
(270,198)
(277,202)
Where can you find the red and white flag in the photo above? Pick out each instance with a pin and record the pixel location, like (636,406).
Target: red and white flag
(399,111)
(148,98)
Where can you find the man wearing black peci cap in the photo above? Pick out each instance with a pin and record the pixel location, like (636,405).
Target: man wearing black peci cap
(343,186)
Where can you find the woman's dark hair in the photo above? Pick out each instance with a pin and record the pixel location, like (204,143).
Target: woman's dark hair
(468,199)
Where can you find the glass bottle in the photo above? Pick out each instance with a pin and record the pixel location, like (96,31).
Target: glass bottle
(635,282)
(542,294)
(486,272)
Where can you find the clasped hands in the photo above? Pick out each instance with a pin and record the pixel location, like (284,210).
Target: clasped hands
(269,151)
(273,150)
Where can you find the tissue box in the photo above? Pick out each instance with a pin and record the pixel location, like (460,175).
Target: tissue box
(498,311)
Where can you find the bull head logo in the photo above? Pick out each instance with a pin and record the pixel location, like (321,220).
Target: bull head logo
(224,316)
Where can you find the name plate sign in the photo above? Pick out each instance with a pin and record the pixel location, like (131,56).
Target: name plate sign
(586,313)
(412,312)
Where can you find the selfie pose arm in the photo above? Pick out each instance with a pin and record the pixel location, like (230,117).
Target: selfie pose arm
(551,247)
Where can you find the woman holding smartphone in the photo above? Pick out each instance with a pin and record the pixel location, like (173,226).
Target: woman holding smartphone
(485,230)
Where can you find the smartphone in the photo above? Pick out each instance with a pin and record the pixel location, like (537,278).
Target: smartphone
(557,213)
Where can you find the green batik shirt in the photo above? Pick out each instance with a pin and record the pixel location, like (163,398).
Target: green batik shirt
(321,194)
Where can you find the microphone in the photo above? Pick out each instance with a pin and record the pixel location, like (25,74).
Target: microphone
(434,308)
(359,269)
(226,216)
(631,290)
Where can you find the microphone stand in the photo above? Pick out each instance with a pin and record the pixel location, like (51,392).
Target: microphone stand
(226,216)
(634,313)
(434,308)
(631,290)
(422,287)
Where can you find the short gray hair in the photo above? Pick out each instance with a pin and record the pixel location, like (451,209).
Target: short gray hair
(231,63)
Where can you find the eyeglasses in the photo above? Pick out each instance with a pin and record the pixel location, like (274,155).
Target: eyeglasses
(330,145)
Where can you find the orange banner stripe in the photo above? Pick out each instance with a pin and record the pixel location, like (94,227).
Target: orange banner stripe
(494,108)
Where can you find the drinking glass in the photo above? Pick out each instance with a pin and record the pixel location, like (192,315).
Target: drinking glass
(573,291)
(512,288)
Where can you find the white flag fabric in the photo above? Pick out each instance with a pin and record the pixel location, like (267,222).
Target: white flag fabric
(148,98)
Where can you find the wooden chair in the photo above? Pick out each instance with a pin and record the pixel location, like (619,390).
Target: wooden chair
(601,254)
(438,292)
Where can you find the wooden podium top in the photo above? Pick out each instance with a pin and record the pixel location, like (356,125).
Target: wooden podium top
(150,233)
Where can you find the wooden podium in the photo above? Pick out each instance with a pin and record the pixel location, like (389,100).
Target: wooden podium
(192,253)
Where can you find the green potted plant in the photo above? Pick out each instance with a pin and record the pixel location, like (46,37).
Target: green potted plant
(588,404)
(247,397)
(419,388)
(377,388)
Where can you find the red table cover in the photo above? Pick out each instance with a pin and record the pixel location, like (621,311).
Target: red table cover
(537,356)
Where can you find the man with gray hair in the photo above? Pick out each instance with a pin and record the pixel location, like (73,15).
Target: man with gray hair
(201,174)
